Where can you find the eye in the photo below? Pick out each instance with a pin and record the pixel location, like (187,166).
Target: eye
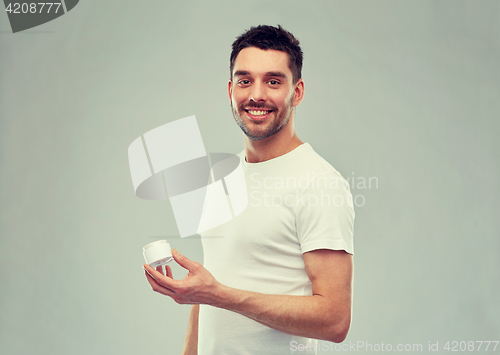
(273,82)
(243,82)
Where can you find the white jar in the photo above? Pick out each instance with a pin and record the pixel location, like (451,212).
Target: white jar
(157,253)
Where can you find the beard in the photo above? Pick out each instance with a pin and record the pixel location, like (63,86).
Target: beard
(262,130)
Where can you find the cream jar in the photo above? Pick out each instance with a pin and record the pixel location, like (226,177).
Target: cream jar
(157,253)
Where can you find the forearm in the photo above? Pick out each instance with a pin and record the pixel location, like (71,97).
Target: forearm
(191,338)
(309,316)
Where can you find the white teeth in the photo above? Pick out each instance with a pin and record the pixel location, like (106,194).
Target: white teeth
(258,113)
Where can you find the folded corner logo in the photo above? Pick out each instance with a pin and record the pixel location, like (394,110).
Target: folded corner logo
(28,14)
(205,191)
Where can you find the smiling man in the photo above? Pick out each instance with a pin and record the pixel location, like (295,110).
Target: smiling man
(279,275)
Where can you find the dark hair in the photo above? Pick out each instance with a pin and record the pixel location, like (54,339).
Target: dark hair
(270,37)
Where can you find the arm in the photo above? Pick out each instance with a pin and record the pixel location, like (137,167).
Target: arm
(324,315)
(191,339)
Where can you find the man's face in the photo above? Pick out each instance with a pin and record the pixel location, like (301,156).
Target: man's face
(262,92)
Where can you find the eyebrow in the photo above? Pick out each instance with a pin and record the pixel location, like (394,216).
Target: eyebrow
(276,73)
(269,73)
(241,73)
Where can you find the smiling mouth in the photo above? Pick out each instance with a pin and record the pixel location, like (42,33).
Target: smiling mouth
(258,112)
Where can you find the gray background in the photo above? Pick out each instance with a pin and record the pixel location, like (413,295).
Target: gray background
(404,91)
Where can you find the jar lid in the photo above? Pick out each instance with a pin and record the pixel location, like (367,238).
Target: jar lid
(158,242)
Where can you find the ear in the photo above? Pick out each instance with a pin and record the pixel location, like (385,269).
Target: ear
(298,94)
(230,89)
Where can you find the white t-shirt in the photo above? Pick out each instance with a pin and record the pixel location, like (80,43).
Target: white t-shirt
(296,203)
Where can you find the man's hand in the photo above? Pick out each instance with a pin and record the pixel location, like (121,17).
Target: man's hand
(198,287)
(326,314)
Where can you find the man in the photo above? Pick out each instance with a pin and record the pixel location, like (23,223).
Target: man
(282,273)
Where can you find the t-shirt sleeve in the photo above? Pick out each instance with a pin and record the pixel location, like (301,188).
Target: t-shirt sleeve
(324,215)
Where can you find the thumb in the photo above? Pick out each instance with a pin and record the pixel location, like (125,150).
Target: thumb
(182,260)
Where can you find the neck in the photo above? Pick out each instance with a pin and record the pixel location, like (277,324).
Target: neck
(283,142)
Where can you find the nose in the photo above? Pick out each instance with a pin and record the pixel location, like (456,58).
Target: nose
(258,92)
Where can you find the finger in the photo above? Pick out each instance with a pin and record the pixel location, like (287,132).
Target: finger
(147,268)
(160,269)
(152,271)
(168,271)
(160,278)
(182,260)
(159,288)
